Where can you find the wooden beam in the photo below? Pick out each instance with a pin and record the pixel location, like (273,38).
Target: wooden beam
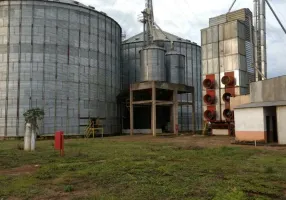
(142,102)
(162,103)
(141,86)
(162,85)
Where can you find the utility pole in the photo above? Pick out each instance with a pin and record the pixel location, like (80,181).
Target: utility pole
(263,39)
(260,40)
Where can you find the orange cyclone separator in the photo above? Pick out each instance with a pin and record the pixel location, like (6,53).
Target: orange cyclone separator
(227,80)
(209,115)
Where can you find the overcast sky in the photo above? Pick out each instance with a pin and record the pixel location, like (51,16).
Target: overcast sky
(186,18)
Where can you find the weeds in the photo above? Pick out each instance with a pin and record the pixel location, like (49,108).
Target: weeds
(135,170)
(269,170)
(68,188)
(20,146)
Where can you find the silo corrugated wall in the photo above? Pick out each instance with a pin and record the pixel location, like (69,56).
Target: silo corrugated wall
(62,57)
(192,52)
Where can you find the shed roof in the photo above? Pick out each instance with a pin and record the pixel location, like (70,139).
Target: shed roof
(261,104)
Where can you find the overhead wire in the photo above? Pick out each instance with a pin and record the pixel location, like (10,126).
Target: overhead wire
(273,37)
(184,15)
(193,14)
(277,10)
(114,2)
(122,22)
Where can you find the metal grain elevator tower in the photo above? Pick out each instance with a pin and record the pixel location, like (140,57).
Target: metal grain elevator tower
(227,61)
(160,81)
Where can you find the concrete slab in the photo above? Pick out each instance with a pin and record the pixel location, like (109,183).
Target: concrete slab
(281,125)
(256,92)
(268,90)
(280,85)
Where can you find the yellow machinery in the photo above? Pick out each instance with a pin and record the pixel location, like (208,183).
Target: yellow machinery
(93,127)
(207,128)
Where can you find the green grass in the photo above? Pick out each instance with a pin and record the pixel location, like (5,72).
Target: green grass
(105,169)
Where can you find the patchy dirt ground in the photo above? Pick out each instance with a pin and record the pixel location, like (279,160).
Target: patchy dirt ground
(25,169)
(142,167)
(192,141)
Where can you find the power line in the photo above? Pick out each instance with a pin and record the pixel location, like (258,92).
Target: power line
(114,2)
(275,16)
(277,10)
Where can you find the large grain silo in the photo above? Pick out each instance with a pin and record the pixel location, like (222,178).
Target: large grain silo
(131,71)
(61,56)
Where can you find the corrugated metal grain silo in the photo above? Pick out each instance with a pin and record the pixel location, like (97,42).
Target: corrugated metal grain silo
(61,56)
(131,71)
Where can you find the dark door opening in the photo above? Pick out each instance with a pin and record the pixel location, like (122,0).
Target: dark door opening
(274,125)
(268,130)
(271,129)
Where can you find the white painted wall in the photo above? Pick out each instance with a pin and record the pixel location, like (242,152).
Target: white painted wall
(220,132)
(281,124)
(249,119)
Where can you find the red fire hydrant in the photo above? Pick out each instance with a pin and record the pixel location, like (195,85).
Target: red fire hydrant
(59,142)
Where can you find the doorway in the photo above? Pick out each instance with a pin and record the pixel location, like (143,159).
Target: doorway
(275,134)
(271,125)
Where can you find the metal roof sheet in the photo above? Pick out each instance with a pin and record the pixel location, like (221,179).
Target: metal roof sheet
(72,2)
(262,104)
(158,35)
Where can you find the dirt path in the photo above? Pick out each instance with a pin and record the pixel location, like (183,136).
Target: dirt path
(191,141)
(25,169)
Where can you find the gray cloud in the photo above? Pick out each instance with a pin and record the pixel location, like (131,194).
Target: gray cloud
(185,19)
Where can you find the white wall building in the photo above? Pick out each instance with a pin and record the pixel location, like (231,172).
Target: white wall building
(263,119)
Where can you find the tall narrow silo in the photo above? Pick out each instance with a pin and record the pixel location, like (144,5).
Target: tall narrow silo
(152,63)
(175,66)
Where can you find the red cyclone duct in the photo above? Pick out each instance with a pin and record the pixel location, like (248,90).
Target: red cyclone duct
(228,114)
(227,80)
(226,97)
(208,83)
(208,99)
(209,115)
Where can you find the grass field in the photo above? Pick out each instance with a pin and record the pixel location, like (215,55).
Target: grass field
(119,169)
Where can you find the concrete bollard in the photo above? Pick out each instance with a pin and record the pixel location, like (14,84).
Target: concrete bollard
(27,138)
(33,140)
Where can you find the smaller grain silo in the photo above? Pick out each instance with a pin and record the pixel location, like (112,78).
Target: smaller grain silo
(175,66)
(158,96)
(152,60)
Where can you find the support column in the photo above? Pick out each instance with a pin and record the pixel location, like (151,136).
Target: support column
(194,113)
(131,112)
(153,110)
(171,117)
(175,112)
